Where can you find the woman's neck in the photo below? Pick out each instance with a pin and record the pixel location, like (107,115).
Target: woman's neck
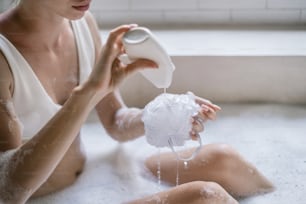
(45,26)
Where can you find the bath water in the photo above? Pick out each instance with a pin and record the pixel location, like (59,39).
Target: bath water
(177,180)
(158,168)
(158,173)
(158,159)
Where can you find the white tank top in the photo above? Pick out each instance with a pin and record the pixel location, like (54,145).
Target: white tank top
(33,106)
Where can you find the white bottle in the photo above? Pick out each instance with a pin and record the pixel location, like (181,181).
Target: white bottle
(140,42)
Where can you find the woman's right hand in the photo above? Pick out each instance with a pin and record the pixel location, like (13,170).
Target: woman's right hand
(109,71)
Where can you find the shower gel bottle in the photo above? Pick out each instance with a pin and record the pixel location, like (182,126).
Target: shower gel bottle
(139,43)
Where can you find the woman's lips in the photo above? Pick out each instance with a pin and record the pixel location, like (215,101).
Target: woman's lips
(82,8)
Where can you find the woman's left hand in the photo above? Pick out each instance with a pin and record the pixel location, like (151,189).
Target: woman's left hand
(208,111)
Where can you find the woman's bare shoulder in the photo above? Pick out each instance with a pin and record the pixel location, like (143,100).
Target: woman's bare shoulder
(9,127)
(6,77)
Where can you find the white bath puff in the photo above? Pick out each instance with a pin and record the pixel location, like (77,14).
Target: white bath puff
(168,116)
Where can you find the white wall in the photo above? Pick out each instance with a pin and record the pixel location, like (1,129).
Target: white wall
(186,12)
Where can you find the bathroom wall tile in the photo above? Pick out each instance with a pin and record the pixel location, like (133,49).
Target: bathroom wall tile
(286,4)
(110,5)
(114,18)
(197,17)
(200,11)
(232,4)
(266,16)
(163,4)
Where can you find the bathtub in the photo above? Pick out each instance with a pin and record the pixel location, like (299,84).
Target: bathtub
(260,85)
(271,136)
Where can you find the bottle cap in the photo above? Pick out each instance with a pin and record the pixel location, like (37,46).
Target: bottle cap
(139,43)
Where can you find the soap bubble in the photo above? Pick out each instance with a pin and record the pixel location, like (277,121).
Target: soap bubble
(168,118)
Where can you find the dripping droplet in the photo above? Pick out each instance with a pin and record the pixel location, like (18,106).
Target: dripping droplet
(158,168)
(159,178)
(251,171)
(177,172)
(185,165)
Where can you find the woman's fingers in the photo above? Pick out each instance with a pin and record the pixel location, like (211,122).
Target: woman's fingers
(114,44)
(194,135)
(207,112)
(202,101)
(140,64)
(118,32)
(197,124)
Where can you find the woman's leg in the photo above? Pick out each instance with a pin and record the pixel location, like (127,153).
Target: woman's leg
(215,162)
(197,192)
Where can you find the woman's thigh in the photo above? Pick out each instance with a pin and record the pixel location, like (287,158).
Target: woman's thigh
(197,192)
(215,162)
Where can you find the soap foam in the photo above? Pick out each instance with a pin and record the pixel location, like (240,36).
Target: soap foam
(168,116)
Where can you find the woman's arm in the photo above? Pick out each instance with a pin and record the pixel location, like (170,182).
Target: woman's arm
(33,162)
(122,123)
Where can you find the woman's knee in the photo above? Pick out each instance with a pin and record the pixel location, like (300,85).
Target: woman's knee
(210,192)
(223,157)
(223,151)
(235,174)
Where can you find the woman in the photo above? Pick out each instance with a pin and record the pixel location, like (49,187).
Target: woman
(53,72)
